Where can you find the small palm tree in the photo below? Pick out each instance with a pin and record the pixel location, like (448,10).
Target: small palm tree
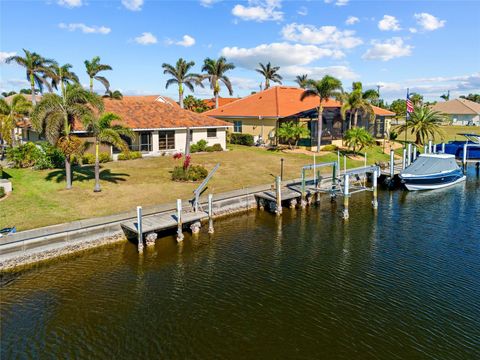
(56,116)
(424,123)
(446,96)
(63,75)
(181,76)
(105,132)
(324,89)
(302,80)
(38,69)
(357,102)
(93,68)
(215,73)
(270,73)
(292,132)
(114,95)
(10,115)
(358,139)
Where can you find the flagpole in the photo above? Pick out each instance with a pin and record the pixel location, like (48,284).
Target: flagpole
(407,116)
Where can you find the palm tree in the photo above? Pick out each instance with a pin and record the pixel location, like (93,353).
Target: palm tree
(269,72)
(63,75)
(56,116)
(114,95)
(416,99)
(358,102)
(302,80)
(358,138)
(105,132)
(324,89)
(446,96)
(181,76)
(292,132)
(215,73)
(38,69)
(93,68)
(10,114)
(424,123)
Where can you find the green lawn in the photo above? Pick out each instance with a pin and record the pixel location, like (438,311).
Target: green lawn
(39,197)
(450,133)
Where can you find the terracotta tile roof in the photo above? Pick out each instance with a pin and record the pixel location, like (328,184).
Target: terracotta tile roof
(221,101)
(457,107)
(382,112)
(276,102)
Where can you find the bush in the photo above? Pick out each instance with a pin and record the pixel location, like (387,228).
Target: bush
(193,173)
(242,139)
(104,157)
(217,147)
(88,159)
(202,145)
(25,155)
(194,148)
(209,149)
(53,157)
(130,155)
(330,147)
(2,192)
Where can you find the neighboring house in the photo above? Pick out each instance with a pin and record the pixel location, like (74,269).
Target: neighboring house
(261,113)
(159,124)
(221,101)
(460,111)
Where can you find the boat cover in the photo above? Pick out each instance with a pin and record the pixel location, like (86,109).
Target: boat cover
(431,164)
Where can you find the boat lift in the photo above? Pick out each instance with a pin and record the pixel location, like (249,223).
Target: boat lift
(199,190)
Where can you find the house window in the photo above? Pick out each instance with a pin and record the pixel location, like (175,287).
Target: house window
(211,133)
(146,141)
(237,126)
(166,140)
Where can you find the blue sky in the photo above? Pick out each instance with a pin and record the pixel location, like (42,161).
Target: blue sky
(429,46)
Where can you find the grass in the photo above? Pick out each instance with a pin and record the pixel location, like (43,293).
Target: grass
(450,133)
(40,199)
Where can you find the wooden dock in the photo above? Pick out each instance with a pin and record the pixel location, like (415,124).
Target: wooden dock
(159,222)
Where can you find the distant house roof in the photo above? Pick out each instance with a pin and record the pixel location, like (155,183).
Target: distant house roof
(221,101)
(38,97)
(144,112)
(457,107)
(277,102)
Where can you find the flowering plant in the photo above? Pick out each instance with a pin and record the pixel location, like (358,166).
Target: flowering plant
(186,163)
(177,156)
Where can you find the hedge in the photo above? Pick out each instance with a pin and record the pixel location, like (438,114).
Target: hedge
(242,139)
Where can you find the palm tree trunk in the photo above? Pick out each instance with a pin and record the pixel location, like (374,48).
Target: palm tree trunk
(319,126)
(14,141)
(97,169)
(68,172)
(355,119)
(91,84)
(180,95)
(216,99)
(267,83)
(32,86)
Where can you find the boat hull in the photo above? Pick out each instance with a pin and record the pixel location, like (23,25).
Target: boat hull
(432,182)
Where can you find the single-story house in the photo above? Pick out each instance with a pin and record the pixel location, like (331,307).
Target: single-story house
(159,124)
(260,114)
(221,101)
(460,111)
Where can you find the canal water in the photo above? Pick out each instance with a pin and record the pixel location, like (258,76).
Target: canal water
(403,283)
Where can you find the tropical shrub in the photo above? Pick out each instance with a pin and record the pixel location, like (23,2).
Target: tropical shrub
(330,147)
(104,157)
(358,139)
(24,156)
(194,148)
(202,145)
(129,155)
(291,132)
(217,147)
(2,192)
(424,124)
(393,135)
(191,173)
(209,149)
(242,139)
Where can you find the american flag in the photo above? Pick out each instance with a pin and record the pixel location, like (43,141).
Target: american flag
(409,104)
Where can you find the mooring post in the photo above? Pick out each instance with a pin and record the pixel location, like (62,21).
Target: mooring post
(345,163)
(464,159)
(414,152)
(314,174)
(210,214)
(179,221)
(281,168)
(139,229)
(409,154)
(425,149)
(429,146)
(392,164)
(278,188)
(346,195)
(375,184)
(443,148)
(404,158)
(339,169)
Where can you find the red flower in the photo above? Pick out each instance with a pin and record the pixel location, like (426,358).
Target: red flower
(186,163)
(177,156)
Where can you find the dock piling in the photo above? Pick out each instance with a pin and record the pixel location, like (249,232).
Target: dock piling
(278,190)
(409,154)
(414,152)
(210,214)
(179,221)
(346,195)
(139,228)
(392,164)
(404,158)
(443,148)
(429,146)
(375,185)
(464,158)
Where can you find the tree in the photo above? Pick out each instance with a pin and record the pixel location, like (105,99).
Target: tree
(10,114)
(446,96)
(471,97)
(215,73)
(324,89)
(181,76)
(358,139)
(196,105)
(358,102)
(63,75)
(399,107)
(270,73)
(302,80)
(424,123)
(7,94)
(114,95)
(105,132)
(56,116)
(38,69)
(93,68)
(292,132)
(416,99)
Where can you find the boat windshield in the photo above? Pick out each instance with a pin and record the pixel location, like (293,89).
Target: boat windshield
(473,138)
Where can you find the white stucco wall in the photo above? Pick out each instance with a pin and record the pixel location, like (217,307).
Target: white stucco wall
(200,134)
(465,119)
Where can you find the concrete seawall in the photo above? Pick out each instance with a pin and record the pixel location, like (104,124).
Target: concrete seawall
(32,246)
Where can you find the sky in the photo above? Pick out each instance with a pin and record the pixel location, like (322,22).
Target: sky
(430,47)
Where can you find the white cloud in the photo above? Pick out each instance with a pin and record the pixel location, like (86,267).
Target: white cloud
(388,50)
(279,54)
(429,22)
(85,28)
(208,3)
(146,38)
(337,2)
(70,3)
(316,72)
(412,30)
(186,41)
(259,10)
(4,55)
(13,84)
(351,20)
(133,5)
(241,83)
(389,23)
(303,11)
(325,35)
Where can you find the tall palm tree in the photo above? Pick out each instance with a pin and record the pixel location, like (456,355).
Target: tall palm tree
(270,73)
(114,95)
(302,80)
(357,102)
(215,73)
(38,69)
(424,123)
(56,117)
(10,115)
(93,68)
(105,132)
(181,76)
(63,75)
(324,89)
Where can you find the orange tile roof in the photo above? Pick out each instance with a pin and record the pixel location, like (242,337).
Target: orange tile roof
(144,112)
(276,102)
(221,101)
(382,112)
